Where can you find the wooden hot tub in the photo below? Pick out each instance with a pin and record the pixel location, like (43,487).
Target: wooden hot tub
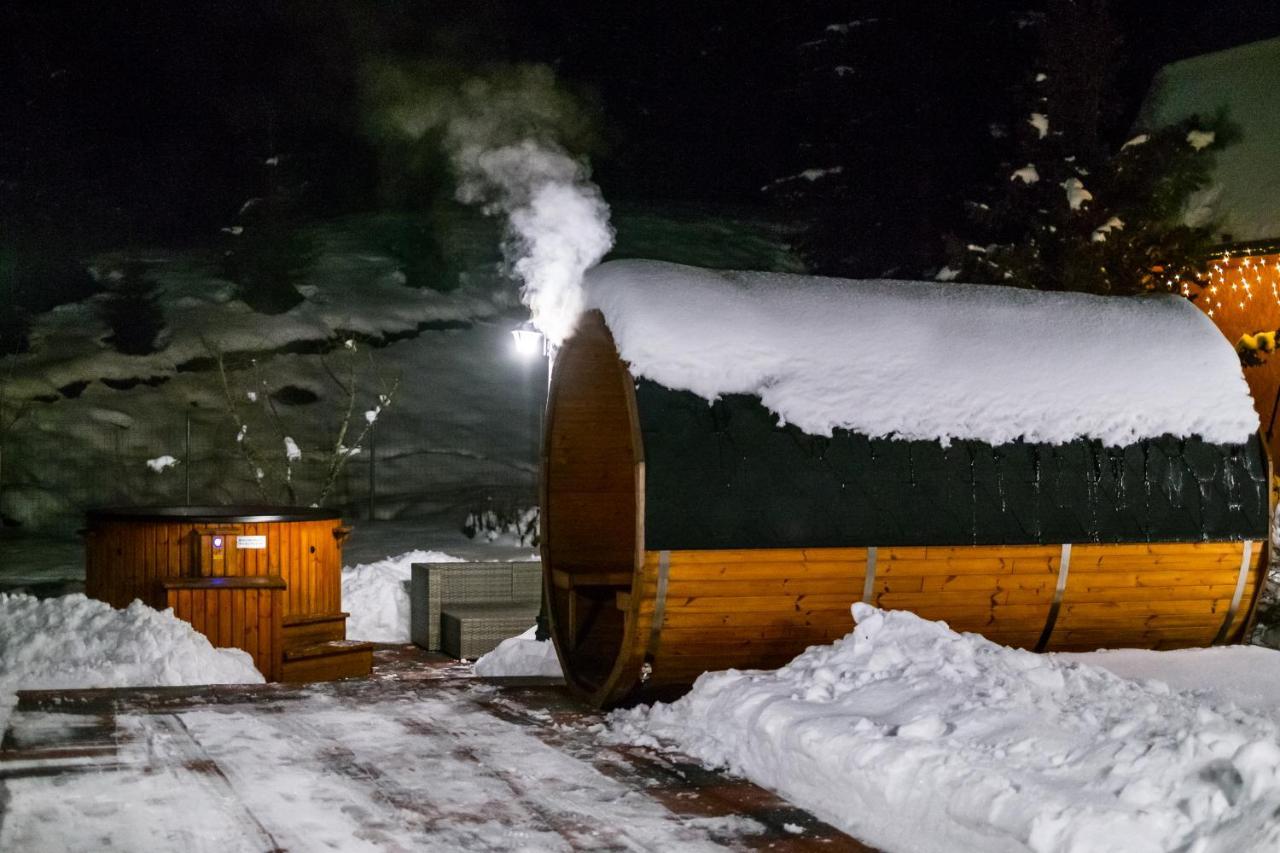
(261,578)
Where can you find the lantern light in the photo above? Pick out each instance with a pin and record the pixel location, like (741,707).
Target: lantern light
(529,341)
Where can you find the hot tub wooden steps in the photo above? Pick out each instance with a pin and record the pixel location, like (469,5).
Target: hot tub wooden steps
(328,661)
(308,629)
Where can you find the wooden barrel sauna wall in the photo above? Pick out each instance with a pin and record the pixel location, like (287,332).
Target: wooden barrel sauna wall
(266,579)
(681,536)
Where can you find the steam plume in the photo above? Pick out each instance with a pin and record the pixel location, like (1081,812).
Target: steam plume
(502,133)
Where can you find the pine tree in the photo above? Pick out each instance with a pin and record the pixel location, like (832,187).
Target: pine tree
(268,255)
(891,100)
(1070,213)
(132,311)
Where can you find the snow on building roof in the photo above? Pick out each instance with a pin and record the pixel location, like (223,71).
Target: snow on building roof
(924,360)
(1244,199)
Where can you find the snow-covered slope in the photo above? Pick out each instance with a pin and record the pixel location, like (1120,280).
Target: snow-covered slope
(923,360)
(1244,198)
(457,437)
(915,738)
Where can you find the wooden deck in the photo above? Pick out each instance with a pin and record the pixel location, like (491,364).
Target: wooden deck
(234,746)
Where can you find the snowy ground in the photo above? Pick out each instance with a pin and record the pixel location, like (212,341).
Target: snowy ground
(916,738)
(426,760)
(904,734)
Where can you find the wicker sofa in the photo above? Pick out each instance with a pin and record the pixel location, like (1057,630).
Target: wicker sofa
(466,609)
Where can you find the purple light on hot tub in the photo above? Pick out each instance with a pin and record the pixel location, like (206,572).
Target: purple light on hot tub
(217,542)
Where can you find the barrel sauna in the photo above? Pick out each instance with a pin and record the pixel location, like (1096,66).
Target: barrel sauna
(682,535)
(264,579)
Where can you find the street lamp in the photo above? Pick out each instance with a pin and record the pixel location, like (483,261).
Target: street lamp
(529,341)
(532,348)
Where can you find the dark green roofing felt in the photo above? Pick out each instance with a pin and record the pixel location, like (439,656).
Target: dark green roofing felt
(724,475)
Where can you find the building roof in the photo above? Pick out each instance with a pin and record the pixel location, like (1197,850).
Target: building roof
(1244,199)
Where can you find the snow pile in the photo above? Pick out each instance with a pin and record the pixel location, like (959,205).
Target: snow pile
(1247,676)
(521,656)
(377,596)
(922,360)
(74,641)
(913,737)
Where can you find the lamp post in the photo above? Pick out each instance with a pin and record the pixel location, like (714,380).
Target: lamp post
(531,347)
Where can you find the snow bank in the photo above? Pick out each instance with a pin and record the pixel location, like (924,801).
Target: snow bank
(1247,676)
(377,597)
(913,737)
(74,641)
(521,656)
(922,360)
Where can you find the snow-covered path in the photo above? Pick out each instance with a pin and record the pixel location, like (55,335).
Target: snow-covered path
(403,763)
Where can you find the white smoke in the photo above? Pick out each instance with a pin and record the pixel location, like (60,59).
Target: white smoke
(501,133)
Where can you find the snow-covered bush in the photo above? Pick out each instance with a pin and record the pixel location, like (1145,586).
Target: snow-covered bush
(520,525)
(264,432)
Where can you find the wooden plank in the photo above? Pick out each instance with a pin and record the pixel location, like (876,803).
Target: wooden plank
(147,552)
(747,572)
(911,601)
(1149,594)
(242,582)
(252,631)
(198,611)
(1148,579)
(747,555)
(566,579)
(757,603)
(354,663)
(896,583)
(784,631)
(693,618)
(956,583)
(977,552)
(235,602)
(269,619)
(835,555)
(1139,607)
(943,567)
(773,587)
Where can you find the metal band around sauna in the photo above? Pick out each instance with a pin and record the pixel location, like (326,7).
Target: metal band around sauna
(1064,568)
(659,607)
(1246,557)
(869,585)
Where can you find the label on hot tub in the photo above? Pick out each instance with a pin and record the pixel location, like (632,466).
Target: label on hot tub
(251,543)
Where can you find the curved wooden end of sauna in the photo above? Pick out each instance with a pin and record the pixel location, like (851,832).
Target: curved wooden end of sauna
(593,507)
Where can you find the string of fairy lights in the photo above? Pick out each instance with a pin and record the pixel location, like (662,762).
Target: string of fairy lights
(1232,282)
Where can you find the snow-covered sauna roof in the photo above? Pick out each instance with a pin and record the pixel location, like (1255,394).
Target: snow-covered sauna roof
(1244,198)
(924,360)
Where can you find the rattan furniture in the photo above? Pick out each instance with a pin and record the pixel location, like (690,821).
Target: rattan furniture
(466,609)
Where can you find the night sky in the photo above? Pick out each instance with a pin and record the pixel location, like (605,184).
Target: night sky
(148,122)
